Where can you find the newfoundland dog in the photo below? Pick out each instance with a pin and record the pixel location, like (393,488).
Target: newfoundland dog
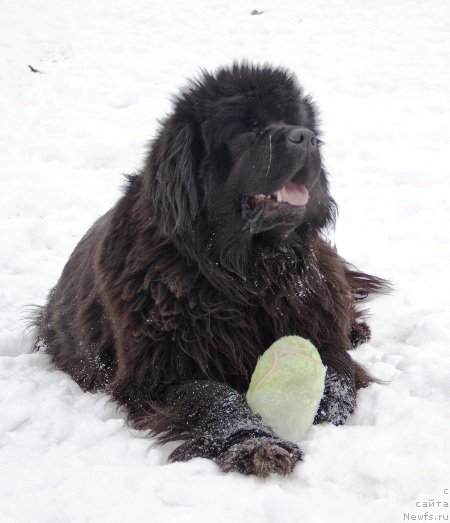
(215,250)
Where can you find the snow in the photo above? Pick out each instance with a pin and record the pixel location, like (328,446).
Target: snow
(380,73)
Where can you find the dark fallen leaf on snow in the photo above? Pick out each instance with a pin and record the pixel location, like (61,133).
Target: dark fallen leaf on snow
(256,12)
(32,69)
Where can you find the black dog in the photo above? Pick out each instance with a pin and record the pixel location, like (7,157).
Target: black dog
(214,251)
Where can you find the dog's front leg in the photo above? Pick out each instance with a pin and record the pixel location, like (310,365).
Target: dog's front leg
(339,397)
(218,424)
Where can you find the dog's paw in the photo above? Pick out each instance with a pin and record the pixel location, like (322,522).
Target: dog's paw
(339,399)
(260,457)
(360,333)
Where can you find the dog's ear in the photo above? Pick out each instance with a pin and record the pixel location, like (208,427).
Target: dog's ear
(171,177)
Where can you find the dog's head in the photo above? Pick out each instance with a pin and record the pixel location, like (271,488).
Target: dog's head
(242,152)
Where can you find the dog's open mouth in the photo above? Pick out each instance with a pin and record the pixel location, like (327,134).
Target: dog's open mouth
(290,194)
(282,209)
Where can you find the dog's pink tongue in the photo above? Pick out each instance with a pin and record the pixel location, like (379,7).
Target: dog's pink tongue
(293,194)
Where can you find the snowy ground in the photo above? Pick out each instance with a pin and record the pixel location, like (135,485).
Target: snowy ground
(381,75)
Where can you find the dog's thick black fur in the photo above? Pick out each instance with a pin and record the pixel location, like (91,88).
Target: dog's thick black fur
(215,250)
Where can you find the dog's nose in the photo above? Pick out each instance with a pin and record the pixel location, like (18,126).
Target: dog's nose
(303,137)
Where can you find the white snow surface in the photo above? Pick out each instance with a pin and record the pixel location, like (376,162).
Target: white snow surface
(380,72)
